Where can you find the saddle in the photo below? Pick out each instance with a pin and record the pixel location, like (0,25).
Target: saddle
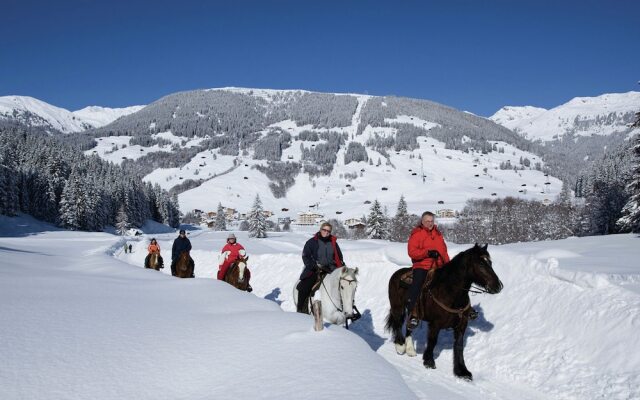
(406,279)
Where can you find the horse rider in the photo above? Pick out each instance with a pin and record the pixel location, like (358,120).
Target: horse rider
(428,251)
(154,247)
(231,251)
(180,244)
(321,255)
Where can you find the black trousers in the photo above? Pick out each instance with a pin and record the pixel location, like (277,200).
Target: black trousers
(304,290)
(419,275)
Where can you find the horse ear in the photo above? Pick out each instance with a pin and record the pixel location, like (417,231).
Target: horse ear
(356,270)
(476,245)
(246,258)
(485,246)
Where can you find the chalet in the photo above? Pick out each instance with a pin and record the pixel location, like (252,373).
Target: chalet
(358,225)
(445,213)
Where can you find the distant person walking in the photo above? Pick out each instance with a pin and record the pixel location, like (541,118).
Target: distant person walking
(130,249)
(125,248)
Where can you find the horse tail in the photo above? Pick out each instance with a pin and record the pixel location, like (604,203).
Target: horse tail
(396,315)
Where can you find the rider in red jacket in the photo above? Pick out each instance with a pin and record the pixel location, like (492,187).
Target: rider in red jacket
(427,250)
(229,254)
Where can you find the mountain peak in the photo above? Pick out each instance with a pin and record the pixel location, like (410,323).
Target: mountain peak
(583,116)
(39,113)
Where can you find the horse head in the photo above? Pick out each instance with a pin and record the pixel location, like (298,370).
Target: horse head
(481,270)
(348,285)
(241,264)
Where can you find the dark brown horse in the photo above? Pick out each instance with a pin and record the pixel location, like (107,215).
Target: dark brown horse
(238,274)
(444,304)
(184,266)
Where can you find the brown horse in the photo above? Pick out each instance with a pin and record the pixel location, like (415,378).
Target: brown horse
(154,261)
(184,266)
(238,274)
(444,304)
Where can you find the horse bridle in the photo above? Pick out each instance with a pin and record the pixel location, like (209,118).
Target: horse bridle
(356,313)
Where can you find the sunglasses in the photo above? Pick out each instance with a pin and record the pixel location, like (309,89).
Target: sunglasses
(326,230)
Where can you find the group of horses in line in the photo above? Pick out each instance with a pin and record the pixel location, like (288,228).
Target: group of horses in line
(444,303)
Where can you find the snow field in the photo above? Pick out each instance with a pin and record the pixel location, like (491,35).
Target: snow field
(562,328)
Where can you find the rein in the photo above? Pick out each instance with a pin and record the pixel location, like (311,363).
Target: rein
(459,311)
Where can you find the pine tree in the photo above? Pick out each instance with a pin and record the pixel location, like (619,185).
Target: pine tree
(257,221)
(122,224)
(377,224)
(72,205)
(630,220)
(401,223)
(221,221)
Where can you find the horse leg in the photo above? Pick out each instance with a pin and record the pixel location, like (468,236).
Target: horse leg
(432,340)
(459,368)
(316,308)
(410,347)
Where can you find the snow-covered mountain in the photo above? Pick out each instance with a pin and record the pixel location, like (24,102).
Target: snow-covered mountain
(97,116)
(582,116)
(331,153)
(34,112)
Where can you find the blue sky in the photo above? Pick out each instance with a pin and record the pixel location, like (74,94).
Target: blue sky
(471,55)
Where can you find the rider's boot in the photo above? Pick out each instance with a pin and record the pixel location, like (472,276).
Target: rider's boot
(303,306)
(412,319)
(473,314)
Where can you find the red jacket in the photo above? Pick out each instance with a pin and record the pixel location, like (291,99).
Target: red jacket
(154,248)
(421,241)
(234,253)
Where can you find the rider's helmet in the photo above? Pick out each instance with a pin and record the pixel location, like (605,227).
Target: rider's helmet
(231,236)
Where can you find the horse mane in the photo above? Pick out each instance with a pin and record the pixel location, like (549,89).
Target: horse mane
(451,272)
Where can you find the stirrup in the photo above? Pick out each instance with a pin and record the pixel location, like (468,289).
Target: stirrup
(473,314)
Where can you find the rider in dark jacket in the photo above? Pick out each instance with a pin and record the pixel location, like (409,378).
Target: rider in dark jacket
(321,253)
(180,244)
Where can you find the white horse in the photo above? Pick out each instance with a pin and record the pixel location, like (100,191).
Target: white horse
(336,295)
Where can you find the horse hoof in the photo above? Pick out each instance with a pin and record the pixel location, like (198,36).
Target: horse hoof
(465,375)
(430,364)
(411,351)
(400,348)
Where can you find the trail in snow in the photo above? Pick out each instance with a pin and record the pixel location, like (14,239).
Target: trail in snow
(561,328)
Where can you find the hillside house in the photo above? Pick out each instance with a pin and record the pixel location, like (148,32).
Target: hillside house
(308,218)
(445,213)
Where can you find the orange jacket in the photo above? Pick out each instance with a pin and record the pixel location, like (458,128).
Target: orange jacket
(154,248)
(421,241)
